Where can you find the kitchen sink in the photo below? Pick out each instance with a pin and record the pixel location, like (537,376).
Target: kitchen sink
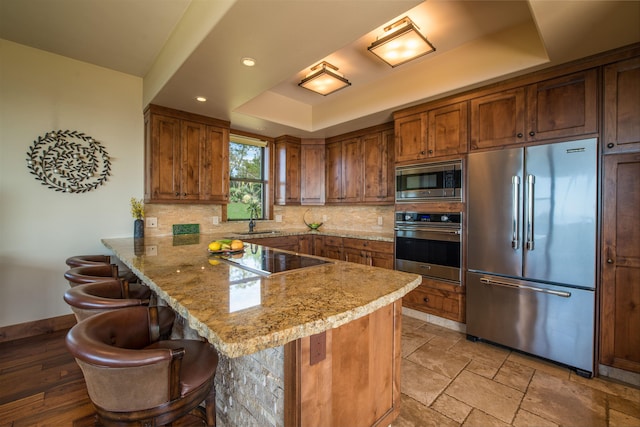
(250,233)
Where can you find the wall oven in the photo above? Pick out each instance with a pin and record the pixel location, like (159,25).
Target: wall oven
(429,244)
(429,182)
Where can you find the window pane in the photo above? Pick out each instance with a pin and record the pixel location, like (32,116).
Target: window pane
(245,161)
(247,182)
(246,199)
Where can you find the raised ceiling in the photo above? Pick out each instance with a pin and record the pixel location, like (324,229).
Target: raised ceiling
(189,48)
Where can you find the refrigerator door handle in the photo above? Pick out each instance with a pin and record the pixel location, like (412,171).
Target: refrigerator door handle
(488,281)
(515,239)
(531,180)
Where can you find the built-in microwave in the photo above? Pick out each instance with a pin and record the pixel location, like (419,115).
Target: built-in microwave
(429,181)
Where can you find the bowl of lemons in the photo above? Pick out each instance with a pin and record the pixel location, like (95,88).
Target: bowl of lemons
(226,246)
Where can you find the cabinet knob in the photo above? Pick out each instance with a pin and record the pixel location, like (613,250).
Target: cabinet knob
(177,194)
(425,299)
(609,261)
(422,152)
(430,151)
(519,135)
(610,145)
(532,133)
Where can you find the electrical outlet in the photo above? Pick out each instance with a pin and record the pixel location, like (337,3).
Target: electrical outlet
(151,250)
(216,220)
(278,218)
(379,220)
(151,222)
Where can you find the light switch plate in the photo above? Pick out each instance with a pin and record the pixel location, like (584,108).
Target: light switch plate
(278,218)
(216,220)
(151,222)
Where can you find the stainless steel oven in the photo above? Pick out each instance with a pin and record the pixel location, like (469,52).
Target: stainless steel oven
(429,244)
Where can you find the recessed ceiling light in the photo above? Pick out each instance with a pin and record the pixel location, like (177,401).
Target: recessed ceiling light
(249,62)
(201,99)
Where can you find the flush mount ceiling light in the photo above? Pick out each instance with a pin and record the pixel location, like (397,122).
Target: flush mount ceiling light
(324,79)
(201,99)
(249,62)
(402,42)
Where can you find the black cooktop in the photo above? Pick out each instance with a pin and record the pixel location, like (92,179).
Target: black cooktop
(267,261)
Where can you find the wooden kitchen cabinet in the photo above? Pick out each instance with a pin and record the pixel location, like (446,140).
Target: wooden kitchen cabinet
(287,243)
(312,165)
(368,252)
(287,170)
(332,248)
(620,268)
(622,106)
(441,299)
(561,107)
(344,171)
(186,157)
(438,132)
(359,167)
(379,172)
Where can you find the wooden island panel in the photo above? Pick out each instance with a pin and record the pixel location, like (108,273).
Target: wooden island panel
(356,383)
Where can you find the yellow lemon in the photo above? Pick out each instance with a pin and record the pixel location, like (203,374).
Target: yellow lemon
(214,262)
(236,245)
(215,246)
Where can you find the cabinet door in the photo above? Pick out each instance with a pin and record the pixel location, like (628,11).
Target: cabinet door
(312,164)
(163,158)
(377,150)
(215,165)
(382,260)
(334,172)
(622,106)
(192,139)
(287,173)
(356,256)
(563,107)
(498,119)
(620,272)
(410,138)
(447,130)
(352,176)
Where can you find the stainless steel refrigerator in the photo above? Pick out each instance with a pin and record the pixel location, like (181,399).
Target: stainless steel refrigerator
(532,250)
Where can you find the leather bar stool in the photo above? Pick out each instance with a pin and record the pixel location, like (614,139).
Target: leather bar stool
(98,273)
(91,260)
(87,260)
(90,299)
(134,380)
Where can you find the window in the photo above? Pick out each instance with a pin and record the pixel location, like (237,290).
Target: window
(247,181)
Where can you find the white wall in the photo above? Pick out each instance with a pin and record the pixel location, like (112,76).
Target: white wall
(40,228)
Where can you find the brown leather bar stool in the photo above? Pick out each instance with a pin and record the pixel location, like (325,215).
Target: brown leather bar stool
(98,273)
(133,380)
(90,299)
(87,260)
(91,260)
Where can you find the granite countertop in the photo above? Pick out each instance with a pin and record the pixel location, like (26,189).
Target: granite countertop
(241,312)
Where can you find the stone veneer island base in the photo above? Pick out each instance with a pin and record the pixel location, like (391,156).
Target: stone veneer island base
(320,348)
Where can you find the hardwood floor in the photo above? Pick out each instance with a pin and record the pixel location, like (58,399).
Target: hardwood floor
(42,384)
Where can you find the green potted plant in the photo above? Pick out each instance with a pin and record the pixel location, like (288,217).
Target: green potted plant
(137,211)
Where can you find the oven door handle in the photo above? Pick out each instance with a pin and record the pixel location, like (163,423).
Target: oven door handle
(429,230)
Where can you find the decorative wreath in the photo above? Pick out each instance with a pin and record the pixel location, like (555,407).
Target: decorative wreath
(69,161)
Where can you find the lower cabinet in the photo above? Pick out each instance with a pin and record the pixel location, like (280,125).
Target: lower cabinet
(288,243)
(368,252)
(441,299)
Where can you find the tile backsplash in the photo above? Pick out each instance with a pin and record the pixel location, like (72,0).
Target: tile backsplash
(352,218)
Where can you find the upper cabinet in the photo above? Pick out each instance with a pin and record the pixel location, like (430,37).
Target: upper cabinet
(287,170)
(359,167)
(437,132)
(561,107)
(312,161)
(186,157)
(622,106)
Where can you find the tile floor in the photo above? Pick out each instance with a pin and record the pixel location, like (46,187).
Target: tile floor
(450,381)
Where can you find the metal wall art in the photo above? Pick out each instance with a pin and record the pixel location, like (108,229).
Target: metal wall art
(69,161)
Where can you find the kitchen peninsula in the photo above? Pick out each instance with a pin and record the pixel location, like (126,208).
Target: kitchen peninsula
(316,345)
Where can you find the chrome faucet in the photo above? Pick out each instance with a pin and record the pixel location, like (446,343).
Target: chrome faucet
(252,223)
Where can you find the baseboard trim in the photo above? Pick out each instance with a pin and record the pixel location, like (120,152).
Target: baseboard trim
(36,327)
